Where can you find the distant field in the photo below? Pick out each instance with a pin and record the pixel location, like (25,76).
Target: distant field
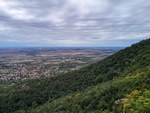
(32,63)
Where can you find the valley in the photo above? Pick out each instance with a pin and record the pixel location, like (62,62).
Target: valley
(117,84)
(32,63)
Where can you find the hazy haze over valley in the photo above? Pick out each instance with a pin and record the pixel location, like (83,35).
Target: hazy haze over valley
(32,63)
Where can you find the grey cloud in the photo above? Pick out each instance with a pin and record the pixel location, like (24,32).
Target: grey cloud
(57,21)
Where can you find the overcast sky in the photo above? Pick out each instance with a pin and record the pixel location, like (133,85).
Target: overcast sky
(73,22)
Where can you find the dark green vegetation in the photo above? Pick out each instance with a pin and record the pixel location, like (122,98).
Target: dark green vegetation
(103,87)
(99,98)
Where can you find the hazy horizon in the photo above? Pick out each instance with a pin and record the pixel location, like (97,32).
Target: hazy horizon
(60,47)
(121,44)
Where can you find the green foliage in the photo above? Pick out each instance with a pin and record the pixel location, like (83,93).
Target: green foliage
(138,101)
(101,97)
(101,76)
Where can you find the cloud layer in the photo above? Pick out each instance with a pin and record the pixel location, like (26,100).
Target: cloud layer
(73,22)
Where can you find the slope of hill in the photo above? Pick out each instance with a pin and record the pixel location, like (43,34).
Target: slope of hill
(106,81)
(106,97)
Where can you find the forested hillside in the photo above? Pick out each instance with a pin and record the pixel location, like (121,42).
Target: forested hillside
(115,84)
(129,94)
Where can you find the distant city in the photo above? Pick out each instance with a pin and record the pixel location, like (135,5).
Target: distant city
(32,63)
